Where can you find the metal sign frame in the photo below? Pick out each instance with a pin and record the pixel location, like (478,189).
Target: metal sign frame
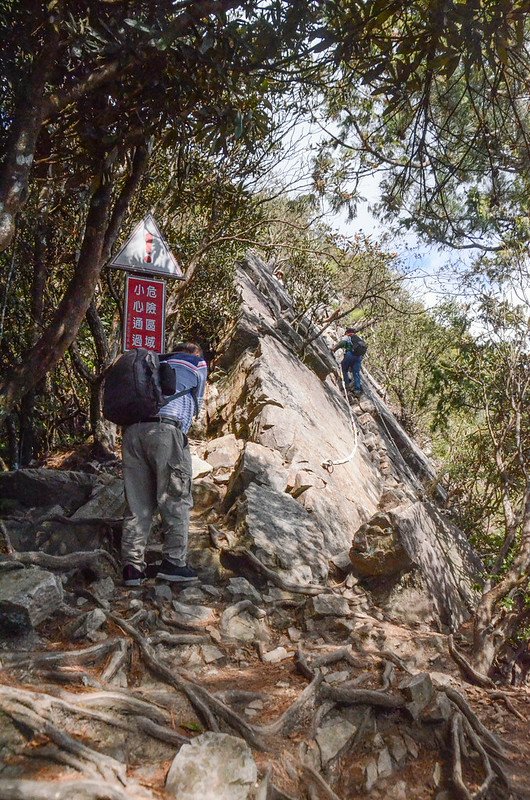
(119,261)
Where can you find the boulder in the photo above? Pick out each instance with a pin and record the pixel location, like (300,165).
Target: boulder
(213,766)
(332,736)
(281,533)
(27,598)
(223,452)
(259,465)
(377,549)
(48,487)
(199,467)
(330,605)
(107,502)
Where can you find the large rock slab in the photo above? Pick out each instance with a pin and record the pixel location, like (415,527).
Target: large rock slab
(213,766)
(27,598)
(282,534)
(48,487)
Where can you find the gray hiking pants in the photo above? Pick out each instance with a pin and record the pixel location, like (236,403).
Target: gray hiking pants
(157,475)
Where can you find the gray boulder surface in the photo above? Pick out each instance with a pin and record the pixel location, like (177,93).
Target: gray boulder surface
(213,766)
(27,598)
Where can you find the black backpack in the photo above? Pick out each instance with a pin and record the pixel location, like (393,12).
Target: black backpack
(358,346)
(137,385)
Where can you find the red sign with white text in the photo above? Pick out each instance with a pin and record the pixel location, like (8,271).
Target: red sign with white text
(145,303)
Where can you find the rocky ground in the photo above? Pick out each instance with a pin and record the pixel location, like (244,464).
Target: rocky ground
(311,660)
(310,692)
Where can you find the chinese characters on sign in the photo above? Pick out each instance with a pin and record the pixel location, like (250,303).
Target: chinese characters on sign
(144,314)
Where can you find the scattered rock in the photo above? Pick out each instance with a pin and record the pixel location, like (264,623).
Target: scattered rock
(384,764)
(210,653)
(419,691)
(87,625)
(103,589)
(107,501)
(163,592)
(276,655)
(332,736)
(200,468)
(371,775)
(192,594)
(194,613)
(397,747)
(213,765)
(326,605)
(240,587)
(27,598)
(47,487)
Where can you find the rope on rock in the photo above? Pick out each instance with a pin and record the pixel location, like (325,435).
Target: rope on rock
(329,464)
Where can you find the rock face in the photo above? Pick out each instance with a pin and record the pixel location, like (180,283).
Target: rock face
(214,766)
(282,406)
(27,598)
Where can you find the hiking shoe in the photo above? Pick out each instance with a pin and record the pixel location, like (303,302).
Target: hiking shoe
(132,576)
(170,572)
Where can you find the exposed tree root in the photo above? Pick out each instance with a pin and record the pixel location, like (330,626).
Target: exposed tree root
(352,696)
(206,704)
(65,790)
(291,716)
(174,639)
(94,763)
(273,577)
(468,671)
(491,742)
(32,659)
(83,560)
(311,776)
(508,703)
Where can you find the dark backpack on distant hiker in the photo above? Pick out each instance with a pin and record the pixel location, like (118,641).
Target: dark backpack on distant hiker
(136,387)
(358,345)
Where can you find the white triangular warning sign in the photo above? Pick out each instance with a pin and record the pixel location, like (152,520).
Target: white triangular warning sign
(146,250)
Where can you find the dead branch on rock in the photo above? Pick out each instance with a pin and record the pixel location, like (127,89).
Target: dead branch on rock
(302,665)
(273,577)
(340,654)
(348,695)
(64,790)
(83,560)
(490,774)
(390,656)
(468,671)
(161,732)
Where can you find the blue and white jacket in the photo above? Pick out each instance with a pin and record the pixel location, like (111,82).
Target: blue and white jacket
(191,371)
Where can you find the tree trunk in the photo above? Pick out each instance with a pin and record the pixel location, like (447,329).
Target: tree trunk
(489,632)
(25,128)
(61,332)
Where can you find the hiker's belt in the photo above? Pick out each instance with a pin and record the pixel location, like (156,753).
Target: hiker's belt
(175,422)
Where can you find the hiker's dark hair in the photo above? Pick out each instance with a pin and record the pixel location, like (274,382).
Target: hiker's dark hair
(349,330)
(188,347)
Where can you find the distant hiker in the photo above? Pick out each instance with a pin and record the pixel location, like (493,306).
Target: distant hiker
(157,474)
(354,351)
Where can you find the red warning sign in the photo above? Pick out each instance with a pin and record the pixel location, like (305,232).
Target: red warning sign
(145,303)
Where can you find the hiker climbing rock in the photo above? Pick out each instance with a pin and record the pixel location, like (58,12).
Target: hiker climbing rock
(354,351)
(157,473)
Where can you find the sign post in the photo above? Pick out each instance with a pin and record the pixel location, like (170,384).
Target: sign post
(146,251)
